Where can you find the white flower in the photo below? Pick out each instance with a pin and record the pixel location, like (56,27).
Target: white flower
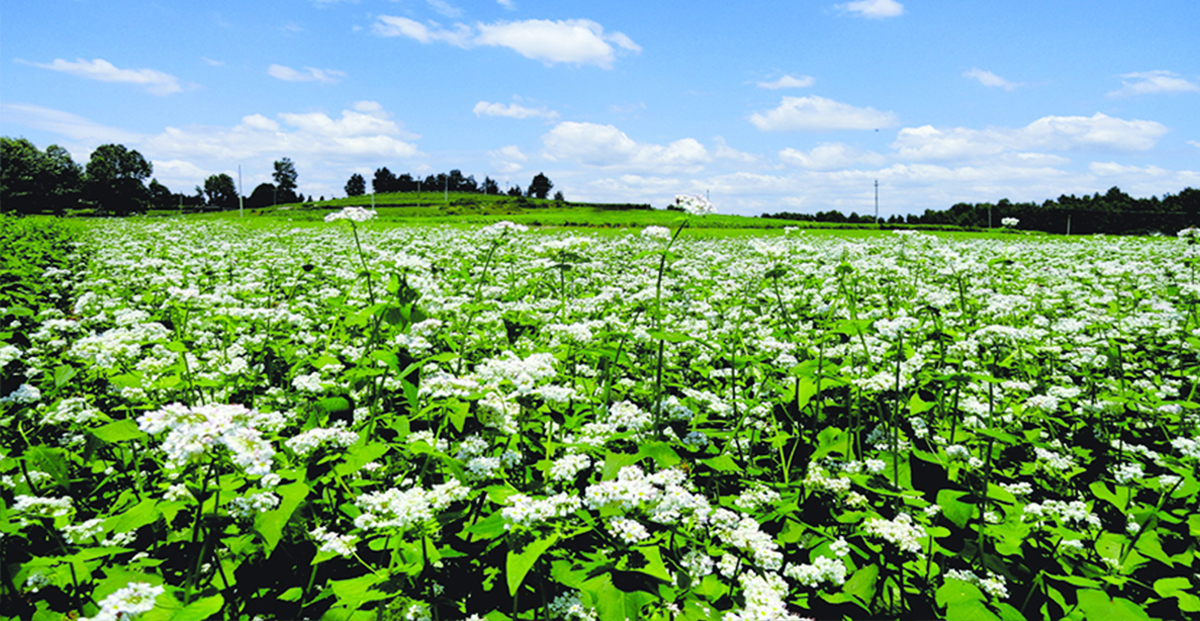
(900,532)
(657,233)
(127,602)
(1009,223)
(627,530)
(822,569)
(695,205)
(341,545)
(354,214)
(23,394)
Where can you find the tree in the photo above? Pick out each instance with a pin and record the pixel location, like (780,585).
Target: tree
(285,180)
(114,179)
(540,186)
(490,186)
(20,175)
(558,197)
(159,196)
(220,191)
(514,191)
(262,196)
(62,179)
(384,181)
(356,186)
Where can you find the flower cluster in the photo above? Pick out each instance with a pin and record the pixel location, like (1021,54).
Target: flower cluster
(195,431)
(353,214)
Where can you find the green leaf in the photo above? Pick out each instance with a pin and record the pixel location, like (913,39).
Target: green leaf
(1101,491)
(1099,606)
(613,604)
(355,592)
(654,563)
(669,336)
(360,455)
(52,461)
(1168,587)
(137,516)
(861,585)
(722,463)
(831,440)
(63,374)
(291,595)
(970,611)
(519,563)
(613,462)
(661,453)
(200,609)
(270,524)
(119,431)
(954,508)
(958,591)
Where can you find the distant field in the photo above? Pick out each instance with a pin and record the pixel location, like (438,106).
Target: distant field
(471,209)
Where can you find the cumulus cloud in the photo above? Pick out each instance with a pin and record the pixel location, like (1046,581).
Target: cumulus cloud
(1053,133)
(1153,82)
(514,111)
(818,113)
(156,82)
(571,41)
(990,80)
(830,155)
(366,131)
(873,9)
(606,146)
(310,74)
(788,81)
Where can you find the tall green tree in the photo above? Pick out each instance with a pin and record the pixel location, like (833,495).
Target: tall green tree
(160,197)
(114,180)
(62,179)
(285,180)
(540,186)
(356,186)
(220,191)
(21,165)
(384,181)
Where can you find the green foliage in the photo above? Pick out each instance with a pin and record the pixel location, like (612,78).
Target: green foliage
(114,180)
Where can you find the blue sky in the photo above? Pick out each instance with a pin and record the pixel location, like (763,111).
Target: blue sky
(768,106)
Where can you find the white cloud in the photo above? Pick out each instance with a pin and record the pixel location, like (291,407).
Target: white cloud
(156,82)
(726,152)
(365,132)
(606,146)
(788,81)
(310,74)
(990,80)
(873,9)
(1113,169)
(1153,82)
(508,160)
(515,111)
(66,124)
(818,113)
(508,4)
(830,155)
(572,41)
(444,8)
(212,63)
(1054,133)
(1194,143)
(390,26)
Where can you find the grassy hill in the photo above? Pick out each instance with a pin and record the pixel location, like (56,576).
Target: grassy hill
(461,208)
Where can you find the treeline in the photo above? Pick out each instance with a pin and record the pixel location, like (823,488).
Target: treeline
(119,181)
(1111,212)
(385,181)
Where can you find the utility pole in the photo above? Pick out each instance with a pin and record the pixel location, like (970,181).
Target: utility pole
(446,191)
(876,201)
